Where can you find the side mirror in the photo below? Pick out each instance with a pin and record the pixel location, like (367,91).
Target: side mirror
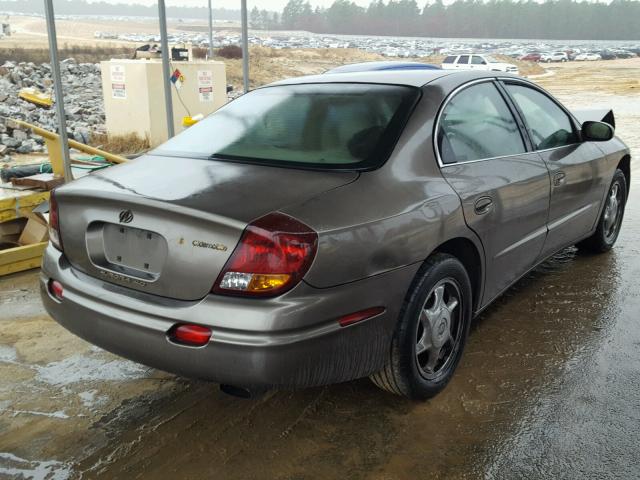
(229,88)
(597,131)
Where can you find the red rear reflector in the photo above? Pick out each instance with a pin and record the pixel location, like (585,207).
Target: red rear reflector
(359,316)
(55,289)
(193,335)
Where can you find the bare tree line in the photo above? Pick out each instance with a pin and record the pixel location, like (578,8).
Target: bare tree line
(551,19)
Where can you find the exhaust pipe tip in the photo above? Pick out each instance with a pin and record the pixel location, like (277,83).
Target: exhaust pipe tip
(239,392)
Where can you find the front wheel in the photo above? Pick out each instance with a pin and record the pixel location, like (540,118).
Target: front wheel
(610,221)
(431,332)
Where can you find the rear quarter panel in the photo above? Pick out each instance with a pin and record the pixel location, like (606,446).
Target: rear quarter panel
(390,217)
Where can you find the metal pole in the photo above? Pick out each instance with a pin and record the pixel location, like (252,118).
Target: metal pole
(57,88)
(166,68)
(210,31)
(245,47)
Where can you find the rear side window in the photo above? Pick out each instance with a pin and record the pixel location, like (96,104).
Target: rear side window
(327,126)
(449,59)
(549,126)
(477,124)
(464,59)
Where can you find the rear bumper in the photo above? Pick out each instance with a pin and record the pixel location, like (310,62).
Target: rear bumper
(291,341)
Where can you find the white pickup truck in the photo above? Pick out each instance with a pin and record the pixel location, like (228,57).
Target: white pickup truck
(473,61)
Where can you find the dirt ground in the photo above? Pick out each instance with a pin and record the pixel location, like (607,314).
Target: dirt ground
(549,386)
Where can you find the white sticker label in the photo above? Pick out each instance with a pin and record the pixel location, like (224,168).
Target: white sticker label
(118,84)
(205,85)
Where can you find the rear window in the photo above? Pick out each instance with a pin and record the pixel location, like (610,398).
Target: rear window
(328,126)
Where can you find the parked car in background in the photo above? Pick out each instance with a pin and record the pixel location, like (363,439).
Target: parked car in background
(608,55)
(588,56)
(554,57)
(255,249)
(531,57)
(623,54)
(474,61)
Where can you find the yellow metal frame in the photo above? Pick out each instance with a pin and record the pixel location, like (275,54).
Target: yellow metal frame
(20,203)
(52,140)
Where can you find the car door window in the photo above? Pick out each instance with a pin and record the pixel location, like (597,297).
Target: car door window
(477,60)
(477,124)
(463,60)
(548,124)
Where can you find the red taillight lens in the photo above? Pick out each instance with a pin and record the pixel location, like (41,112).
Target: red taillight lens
(192,335)
(273,255)
(54,222)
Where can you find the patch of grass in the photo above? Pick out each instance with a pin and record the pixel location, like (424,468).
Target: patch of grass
(128,144)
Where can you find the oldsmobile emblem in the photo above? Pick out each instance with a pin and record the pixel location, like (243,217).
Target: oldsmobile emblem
(126,216)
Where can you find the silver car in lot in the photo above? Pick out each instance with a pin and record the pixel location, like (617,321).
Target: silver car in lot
(332,227)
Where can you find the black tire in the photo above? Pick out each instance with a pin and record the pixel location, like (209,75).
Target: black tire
(404,373)
(606,234)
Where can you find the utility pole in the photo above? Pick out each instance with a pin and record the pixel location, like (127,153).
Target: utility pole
(210,31)
(57,88)
(166,67)
(245,46)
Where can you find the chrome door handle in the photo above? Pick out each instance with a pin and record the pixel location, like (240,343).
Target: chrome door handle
(483,205)
(559,178)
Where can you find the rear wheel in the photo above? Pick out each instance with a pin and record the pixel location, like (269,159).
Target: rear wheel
(431,332)
(610,221)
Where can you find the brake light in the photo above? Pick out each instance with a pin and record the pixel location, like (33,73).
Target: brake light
(272,256)
(54,222)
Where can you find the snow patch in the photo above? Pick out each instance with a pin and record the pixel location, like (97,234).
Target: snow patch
(16,467)
(89,398)
(58,414)
(80,368)
(8,354)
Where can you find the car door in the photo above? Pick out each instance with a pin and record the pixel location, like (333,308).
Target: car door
(577,174)
(463,62)
(478,63)
(504,188)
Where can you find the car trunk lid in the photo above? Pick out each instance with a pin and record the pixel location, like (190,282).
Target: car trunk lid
(167,226)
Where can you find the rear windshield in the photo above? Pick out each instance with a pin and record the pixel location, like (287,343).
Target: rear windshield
(328,126)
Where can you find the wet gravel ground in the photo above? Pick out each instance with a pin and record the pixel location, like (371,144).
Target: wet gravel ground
(549,387)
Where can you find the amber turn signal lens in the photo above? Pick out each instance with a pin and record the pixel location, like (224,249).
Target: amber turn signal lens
(264,282)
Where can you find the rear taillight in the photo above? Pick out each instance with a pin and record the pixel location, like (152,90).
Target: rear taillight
(54,222)
(272,256)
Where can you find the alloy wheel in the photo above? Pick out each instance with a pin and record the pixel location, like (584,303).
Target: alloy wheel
(613,212)
(439,329)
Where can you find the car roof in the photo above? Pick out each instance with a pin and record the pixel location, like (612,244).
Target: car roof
(384,65)
(411,78)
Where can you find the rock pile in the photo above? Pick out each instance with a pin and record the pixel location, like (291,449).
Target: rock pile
(84,108)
